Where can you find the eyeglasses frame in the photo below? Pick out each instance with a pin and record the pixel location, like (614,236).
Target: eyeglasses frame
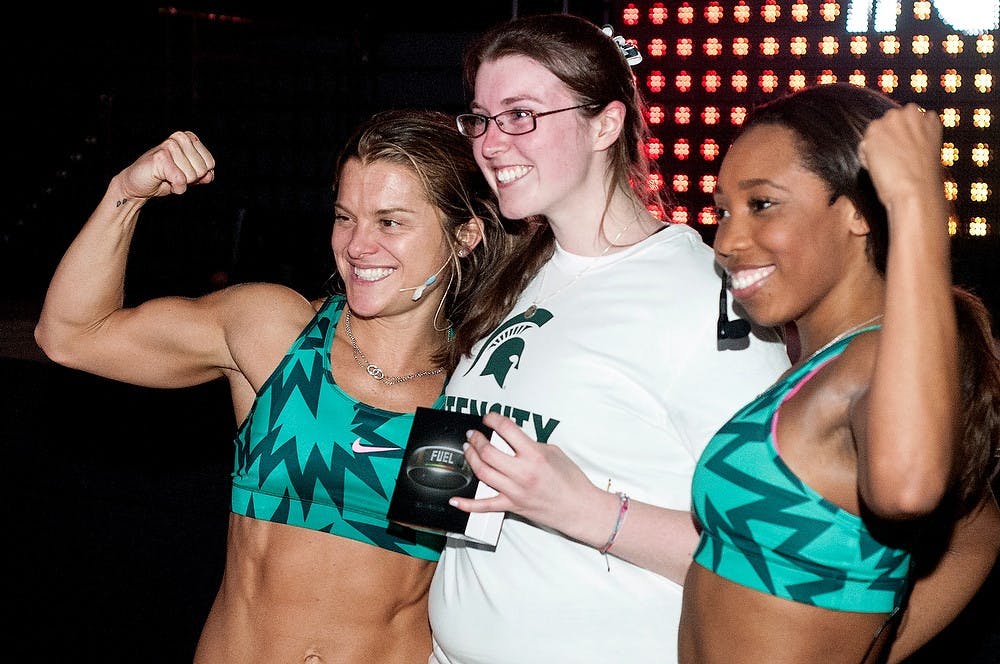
(532,114)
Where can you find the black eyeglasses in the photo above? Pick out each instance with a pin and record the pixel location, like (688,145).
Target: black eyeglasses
(516,122)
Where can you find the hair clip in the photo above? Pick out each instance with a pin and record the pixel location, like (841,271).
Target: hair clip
(631,53)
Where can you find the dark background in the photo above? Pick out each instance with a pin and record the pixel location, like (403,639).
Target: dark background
(121,494)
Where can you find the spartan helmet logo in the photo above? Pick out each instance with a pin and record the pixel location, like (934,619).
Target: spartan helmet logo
(507,356)
(503,350)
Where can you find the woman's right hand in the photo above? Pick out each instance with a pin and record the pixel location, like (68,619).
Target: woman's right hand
(168,168)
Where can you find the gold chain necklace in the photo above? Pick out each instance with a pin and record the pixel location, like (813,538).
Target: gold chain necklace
(373,369)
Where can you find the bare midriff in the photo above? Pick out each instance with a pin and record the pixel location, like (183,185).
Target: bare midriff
(726,622)
(292,594)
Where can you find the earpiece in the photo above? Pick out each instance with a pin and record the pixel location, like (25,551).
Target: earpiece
(418,291)
(729,329)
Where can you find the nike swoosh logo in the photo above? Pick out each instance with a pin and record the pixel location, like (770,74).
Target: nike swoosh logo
(358,448)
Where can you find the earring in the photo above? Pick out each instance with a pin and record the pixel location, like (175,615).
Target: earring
(463,252)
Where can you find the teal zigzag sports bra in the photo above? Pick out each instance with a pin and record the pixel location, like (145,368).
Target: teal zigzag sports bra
(763,528)
(309,455)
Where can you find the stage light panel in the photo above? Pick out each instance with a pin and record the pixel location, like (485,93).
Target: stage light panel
(888,81)
(950,117)
(953,45)
(984,81)
(769,47)
(829,11)
(770,11)
(655,81)
(707,216)
(709,150)
(682,149)
(630,15)
(768,81)
(712,47)
(951,190)
(981,154)
(733,54)
(741,12)
(980,191)
(657,13)
(654,148)
(921,45)
(949,154)
(918,81)
(890,45)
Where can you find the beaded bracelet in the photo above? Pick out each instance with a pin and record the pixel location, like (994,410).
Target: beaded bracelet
(622,511)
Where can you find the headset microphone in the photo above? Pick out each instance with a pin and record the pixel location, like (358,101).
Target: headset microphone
(729,329)
(418,291)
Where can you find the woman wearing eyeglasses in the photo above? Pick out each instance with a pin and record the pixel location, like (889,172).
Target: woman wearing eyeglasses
(606,378)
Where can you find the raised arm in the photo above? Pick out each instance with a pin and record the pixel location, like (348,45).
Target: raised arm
(905,423)
(167,342)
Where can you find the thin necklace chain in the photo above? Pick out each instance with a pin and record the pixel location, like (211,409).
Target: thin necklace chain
(539,297)
(853,328)
(373,369)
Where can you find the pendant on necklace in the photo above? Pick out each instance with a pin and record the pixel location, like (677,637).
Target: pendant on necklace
(530,311)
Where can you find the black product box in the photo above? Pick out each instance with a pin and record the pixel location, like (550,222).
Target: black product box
(434,469)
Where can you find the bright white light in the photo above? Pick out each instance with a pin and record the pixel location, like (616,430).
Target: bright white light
(970,17)
(858,13)
(886,14)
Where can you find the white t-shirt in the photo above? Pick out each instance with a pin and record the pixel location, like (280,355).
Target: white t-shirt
(620,368)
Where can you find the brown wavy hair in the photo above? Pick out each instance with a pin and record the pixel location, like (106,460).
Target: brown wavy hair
(429,145)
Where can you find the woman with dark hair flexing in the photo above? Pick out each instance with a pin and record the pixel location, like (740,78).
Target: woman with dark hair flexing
(813,498)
